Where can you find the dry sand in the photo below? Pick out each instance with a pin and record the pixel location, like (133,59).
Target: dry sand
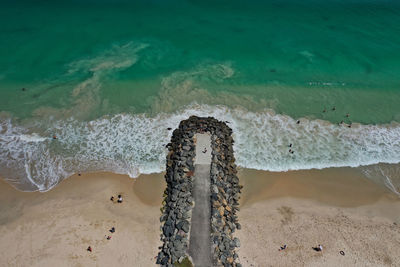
(335,207)
(55,228)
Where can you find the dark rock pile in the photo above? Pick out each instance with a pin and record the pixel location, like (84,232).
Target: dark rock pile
(178,202)
(225,194)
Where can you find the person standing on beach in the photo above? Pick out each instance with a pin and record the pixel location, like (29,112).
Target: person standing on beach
(318,248)
(283,247)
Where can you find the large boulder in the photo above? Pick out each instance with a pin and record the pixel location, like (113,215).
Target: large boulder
(183,225)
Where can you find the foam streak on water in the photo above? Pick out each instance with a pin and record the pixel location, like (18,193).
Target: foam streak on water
(135,144)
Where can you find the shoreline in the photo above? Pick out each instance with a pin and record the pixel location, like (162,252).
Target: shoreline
(318,144)
(336,207)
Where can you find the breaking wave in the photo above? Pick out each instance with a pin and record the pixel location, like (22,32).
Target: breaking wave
(134,144)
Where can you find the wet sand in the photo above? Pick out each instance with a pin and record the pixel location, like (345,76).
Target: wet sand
(337,208)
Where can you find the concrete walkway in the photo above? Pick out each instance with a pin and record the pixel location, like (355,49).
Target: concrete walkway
(203,144)
(200,242)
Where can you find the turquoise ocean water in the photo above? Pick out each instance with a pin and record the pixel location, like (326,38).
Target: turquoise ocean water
(109,77)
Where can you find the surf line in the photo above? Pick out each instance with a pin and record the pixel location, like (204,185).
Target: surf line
(202,196)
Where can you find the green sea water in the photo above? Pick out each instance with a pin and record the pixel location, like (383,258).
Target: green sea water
(108,77)
(296,57)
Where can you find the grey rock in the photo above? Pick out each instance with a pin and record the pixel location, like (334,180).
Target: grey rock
(168,230)
(178,245)
(185,227)
(236,242)
(214,189)
(160,257)
(164,260)
(174,258)
(223,259)
(163,217)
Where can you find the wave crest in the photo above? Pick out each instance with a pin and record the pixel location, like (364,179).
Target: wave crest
(135,144)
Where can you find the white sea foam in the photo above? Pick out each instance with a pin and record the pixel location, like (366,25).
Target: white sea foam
(135,144)
(34,137)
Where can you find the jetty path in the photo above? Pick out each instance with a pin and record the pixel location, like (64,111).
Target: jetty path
(200,231)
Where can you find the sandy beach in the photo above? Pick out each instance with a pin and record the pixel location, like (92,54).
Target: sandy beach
(55,228)
(337,208)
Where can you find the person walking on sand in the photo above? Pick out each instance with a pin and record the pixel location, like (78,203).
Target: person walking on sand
(119,199)
(89,249)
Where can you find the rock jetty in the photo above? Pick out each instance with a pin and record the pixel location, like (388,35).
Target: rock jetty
(178,201)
